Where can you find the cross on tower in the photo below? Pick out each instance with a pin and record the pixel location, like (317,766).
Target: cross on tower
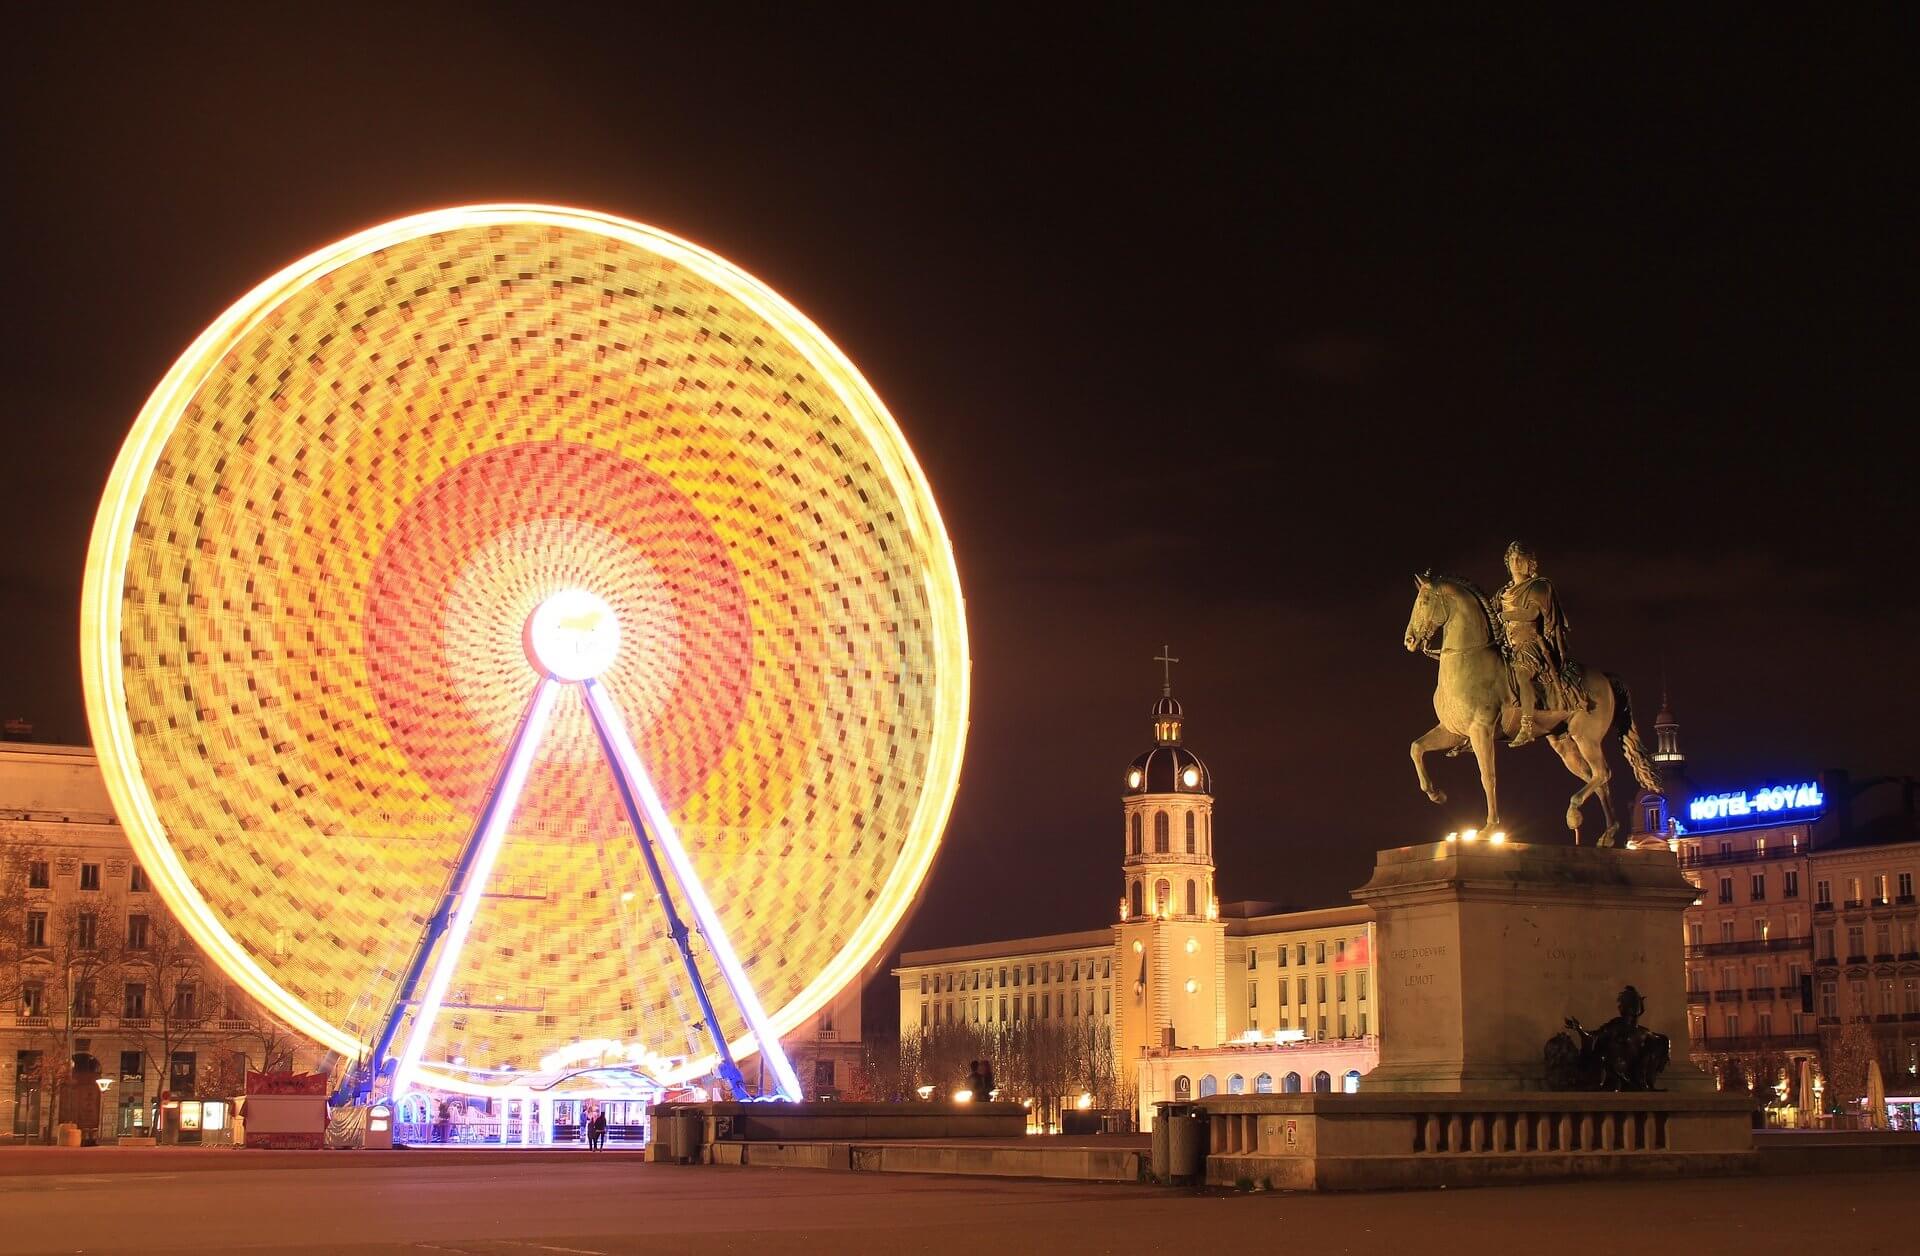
(1166,661)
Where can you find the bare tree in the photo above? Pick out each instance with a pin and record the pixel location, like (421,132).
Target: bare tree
(168,1009)
(75,972)
(264,1037)
(13,925)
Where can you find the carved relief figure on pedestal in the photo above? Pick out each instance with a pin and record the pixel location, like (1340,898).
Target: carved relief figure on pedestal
(1504,672)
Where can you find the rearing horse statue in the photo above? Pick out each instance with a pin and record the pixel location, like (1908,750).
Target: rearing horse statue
(1473,702)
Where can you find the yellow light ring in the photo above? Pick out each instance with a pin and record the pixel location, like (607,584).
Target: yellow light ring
(141,789)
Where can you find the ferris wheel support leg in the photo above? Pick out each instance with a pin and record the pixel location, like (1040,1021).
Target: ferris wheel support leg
(454,916)
(649,819)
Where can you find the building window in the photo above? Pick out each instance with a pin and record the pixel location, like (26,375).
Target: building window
(923,978)
(1791,886)
(1906,886)
(1320,952)
(134,1006)
(1136,832)
(86,931)
(1263,1084)
(1162,896)
(89,876)
(1726,930)
(38,876)
(1253,959)
(1291,1084)
(1853,891)
(1880,887)
(36,938)
(137,935)
(1283,955)
(1106,1000)
(137,880)
(1323,1083)
(1363,1024)
(1757,891)
(1302,955)
(1303,996)
(1236,1084)
(1829,1000)
(1253,994)
(1190,849)
(33,999)
(1340,982)
(1193,900)
(1695,930)
(84,1003)
(1208,1086)
(1733,1024)
(1856,943)
(1360,980)
(1160,846)
(186,1001)
(1321,989)
(1823,893)
(133,1065)
(1726,889)
(1340,951)
(1762,928)
(1136,900)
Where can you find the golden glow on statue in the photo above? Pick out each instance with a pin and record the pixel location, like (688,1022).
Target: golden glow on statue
(317,576)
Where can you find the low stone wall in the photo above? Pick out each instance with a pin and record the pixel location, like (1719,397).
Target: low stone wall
(814,1122)
(1382,1141)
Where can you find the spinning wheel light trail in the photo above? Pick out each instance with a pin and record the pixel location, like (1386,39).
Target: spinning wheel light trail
(403,467)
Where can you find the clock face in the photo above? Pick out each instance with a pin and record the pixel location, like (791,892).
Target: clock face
(402,478)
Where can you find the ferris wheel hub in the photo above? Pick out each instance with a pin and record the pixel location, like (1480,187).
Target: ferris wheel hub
(573,635)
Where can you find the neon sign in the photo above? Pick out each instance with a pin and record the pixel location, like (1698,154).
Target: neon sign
(1770,804)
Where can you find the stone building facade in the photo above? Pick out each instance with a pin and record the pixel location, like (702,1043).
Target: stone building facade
(1181,986)
(92,965)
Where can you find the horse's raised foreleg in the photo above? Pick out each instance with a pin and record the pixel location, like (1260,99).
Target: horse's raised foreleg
(1481,735)
(1435,738)
(1570,755)
(1599,779)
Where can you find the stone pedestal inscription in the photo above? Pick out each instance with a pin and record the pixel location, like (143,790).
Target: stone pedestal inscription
(1489,948)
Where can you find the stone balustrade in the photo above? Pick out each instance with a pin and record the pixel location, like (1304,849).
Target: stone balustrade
(1333,1142)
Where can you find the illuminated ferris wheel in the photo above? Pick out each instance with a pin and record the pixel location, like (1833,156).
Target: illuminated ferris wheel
(514,627)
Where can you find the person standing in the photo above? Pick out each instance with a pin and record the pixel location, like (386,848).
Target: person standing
(600,1130)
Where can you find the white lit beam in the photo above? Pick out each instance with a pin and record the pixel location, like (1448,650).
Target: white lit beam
(693,891)
(472,890)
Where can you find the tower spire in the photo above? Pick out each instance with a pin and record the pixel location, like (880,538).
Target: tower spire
(1166,660)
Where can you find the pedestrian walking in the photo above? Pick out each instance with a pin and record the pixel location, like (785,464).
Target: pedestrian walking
(600,1130)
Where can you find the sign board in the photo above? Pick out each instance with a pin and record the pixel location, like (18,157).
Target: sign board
(1761,808)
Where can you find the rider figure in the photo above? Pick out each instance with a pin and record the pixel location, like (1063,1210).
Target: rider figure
(1536,639)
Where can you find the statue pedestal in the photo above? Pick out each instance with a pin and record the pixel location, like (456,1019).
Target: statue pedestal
(1485,950)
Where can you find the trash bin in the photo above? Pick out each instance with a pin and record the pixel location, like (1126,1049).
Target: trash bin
(67,1135)
(1179,1142)
(687,1136)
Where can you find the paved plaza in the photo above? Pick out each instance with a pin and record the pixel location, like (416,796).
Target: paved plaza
(571,1203)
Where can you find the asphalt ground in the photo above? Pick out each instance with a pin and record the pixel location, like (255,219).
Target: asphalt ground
(575,1204)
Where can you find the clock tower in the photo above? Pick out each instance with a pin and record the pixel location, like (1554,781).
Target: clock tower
(1170,946)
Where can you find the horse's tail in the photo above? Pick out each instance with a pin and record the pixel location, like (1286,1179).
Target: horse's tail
(1642,764)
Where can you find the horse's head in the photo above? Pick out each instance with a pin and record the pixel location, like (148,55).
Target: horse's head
(1429,612)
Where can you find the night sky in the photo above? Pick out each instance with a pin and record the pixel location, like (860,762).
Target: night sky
(1205,333)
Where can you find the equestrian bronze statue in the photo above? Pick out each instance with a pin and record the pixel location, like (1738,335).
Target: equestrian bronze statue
(1505,674)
